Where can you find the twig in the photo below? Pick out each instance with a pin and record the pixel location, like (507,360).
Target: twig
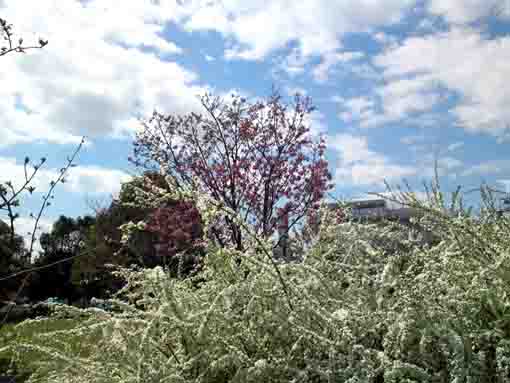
(6,32)
(48,195)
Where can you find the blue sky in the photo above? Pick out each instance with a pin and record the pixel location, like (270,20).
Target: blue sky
(395,82)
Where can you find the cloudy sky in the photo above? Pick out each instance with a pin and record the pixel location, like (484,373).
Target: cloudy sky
(396,82)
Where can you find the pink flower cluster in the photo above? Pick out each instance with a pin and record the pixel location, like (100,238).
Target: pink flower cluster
(178,228)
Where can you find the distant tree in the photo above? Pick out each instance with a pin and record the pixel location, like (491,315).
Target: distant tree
(158,243)
(9,250)
(65,240)
(258,159)
(65,235)
(12,250)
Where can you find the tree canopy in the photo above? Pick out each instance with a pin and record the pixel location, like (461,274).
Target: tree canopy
(259,159)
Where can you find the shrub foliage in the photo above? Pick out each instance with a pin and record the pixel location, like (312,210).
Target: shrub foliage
(350,311)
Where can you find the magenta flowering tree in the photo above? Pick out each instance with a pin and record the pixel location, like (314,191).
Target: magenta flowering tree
(259,159)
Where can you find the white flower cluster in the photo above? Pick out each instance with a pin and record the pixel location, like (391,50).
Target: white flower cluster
(351,311)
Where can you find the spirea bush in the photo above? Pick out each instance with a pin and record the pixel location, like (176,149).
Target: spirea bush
(350,311)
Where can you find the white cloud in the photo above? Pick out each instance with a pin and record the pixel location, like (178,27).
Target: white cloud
(356,109)
(12,170)
(384,38)
(404,96)
(258,28)
(81,179)
(291,91)
(360,166)
(506,184)
(293,64)
(466,11)
(92,79)
(428,24)
(503,137)
(317,123)
(412,140)
(447,164)
(24,226)
(96,180)
(396,100)
(460,60)
(330,60)
(488,167)
(455,146)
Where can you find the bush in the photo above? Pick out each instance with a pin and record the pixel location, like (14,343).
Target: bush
(348,312)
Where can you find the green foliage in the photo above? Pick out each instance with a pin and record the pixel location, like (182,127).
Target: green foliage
(65,240)
(11,252)
(10,247)
(352,310)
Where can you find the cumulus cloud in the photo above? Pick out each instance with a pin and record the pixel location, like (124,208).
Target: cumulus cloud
(384,39)
(317,26)
(488,167)
(467,11)
(317,122)
(397,100)
(96,180)
(402,97)
(292,64)
(93,78)
(82,179)
(330,60)
(460,62)
(360,166)
(359,109)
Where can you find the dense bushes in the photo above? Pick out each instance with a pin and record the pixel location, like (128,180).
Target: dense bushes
(348,312)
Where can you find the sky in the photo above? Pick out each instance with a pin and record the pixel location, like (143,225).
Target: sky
(396,83)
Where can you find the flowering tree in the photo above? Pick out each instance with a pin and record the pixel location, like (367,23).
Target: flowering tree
(257,159)
(177,226)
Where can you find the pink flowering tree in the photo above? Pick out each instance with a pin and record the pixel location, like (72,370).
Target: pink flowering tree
(259,159)
(178,228)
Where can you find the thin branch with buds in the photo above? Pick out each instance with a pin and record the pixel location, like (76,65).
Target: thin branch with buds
(49,195)
(12,201)
(12,44)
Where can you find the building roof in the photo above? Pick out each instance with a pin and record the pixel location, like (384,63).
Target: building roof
(377,209)
(361,204)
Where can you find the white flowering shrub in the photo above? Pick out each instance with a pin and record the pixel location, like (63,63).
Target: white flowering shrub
(350,311)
